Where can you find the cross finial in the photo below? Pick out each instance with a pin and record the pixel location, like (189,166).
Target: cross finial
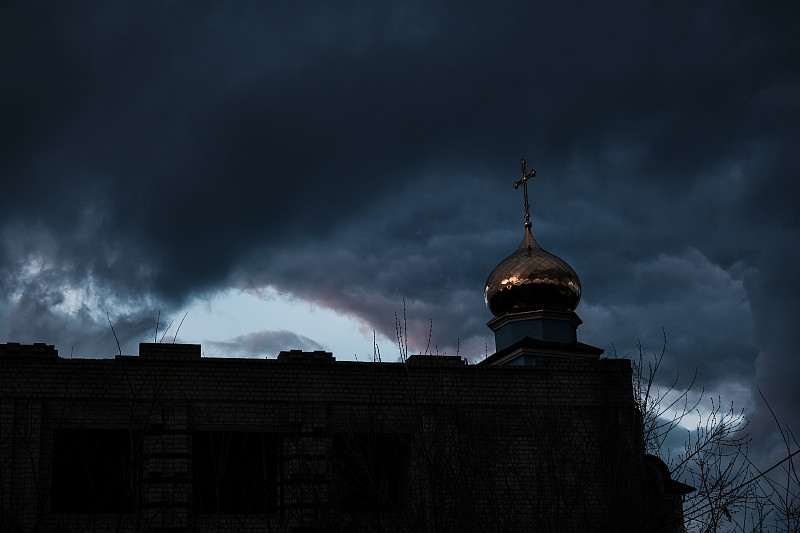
(524,182)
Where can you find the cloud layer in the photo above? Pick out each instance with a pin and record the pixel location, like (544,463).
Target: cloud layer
(361,154)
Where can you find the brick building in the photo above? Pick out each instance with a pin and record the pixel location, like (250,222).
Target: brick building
(168,440)
(543,435)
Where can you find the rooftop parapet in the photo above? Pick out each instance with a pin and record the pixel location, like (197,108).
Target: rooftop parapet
(299,356)
(37,349)
(169,352)
(436,360)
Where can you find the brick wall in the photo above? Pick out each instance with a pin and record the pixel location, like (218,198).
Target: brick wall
(489,448)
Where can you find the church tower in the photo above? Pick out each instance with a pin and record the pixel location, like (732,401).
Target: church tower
(533,295)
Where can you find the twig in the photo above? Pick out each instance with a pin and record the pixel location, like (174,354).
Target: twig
(376,351)
(166,330)
(405,328)
(401,332)
(179,327)
(751,480)
(430,333)
(114,332)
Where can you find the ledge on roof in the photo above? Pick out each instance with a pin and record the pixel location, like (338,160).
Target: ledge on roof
(435,360)
(299,356)
(37,349)
(529,348)
(169,352)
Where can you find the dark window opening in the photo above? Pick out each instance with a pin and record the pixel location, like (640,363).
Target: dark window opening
(235,472)
(95,471)
(370,471)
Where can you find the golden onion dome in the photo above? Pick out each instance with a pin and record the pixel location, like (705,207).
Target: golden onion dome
(532,279)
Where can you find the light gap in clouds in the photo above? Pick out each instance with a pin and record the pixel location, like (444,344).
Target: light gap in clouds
(734,393)
(219,319)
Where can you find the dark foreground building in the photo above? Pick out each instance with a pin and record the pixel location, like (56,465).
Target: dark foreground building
(543,435)
(172,441)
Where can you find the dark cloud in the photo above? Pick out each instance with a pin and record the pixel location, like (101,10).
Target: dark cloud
(362,154)
(266,344)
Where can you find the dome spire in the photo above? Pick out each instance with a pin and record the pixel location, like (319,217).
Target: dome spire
(532,293)
(524,183)
(531,279)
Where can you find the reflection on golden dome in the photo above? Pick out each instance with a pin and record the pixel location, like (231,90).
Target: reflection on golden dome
(532,279)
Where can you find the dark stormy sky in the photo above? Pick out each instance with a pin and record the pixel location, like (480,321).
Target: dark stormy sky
(347,156)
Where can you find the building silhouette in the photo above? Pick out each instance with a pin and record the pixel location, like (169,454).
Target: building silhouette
(542,435)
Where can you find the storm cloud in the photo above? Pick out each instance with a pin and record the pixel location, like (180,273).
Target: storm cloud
(361,154)
(267,343)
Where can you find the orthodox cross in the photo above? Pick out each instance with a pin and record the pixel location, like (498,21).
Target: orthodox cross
(524,182)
